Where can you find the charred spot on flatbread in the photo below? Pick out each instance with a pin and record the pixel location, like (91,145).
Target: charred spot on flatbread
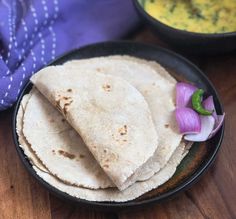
(66,154)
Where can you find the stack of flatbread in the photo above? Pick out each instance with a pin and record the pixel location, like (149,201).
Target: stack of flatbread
(102,129)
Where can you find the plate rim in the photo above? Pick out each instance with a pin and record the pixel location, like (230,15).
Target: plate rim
(111,206)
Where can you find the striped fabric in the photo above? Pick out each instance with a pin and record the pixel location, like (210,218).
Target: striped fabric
(34,32)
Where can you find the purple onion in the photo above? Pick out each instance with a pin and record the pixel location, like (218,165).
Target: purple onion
(208,104)
(188,120)
(207,125)
(218,124)
(195,127)
(184,93)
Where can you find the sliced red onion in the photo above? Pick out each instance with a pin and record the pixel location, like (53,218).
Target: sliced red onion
(208,104)
(207,125)
(184,93)
(218,124)
(219,119)
(196,128)
(188,120)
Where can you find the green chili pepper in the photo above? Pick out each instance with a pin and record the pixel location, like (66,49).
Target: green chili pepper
(197,103)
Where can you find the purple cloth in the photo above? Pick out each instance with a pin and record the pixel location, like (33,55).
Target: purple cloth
(34,32)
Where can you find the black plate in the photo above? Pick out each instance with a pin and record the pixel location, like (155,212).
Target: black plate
(195,163)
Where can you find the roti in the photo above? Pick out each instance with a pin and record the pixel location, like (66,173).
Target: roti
(21,138)
(113,194)
(110,194)
(54,155)
(111,116)
(158,88)
(58,146)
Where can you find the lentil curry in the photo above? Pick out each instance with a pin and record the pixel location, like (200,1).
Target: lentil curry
(202,16)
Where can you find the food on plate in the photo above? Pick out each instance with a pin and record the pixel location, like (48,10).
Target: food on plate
(59,147)
(196,118)
(197,103)
(111,116)
(199,16)
(108,194)
(110,128)
(115,195)
(21,138)
(158,88)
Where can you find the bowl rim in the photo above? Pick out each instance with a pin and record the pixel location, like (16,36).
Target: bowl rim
(157,22)
(114,206)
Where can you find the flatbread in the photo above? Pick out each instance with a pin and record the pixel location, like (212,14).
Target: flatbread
(59,147)
(113,194)
(153,64)
(21,138)
(111,116)
(165,167)
(158,88)
(132,192)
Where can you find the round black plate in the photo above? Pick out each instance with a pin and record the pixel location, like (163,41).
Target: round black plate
(195,163)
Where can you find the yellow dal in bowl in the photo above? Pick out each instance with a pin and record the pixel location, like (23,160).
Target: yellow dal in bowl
(201,16)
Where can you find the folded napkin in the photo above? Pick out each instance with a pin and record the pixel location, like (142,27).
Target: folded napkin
(33,33)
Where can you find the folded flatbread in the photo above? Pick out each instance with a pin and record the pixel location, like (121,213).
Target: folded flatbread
(111,194)
(111,116)
(158,88)
(58,147)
